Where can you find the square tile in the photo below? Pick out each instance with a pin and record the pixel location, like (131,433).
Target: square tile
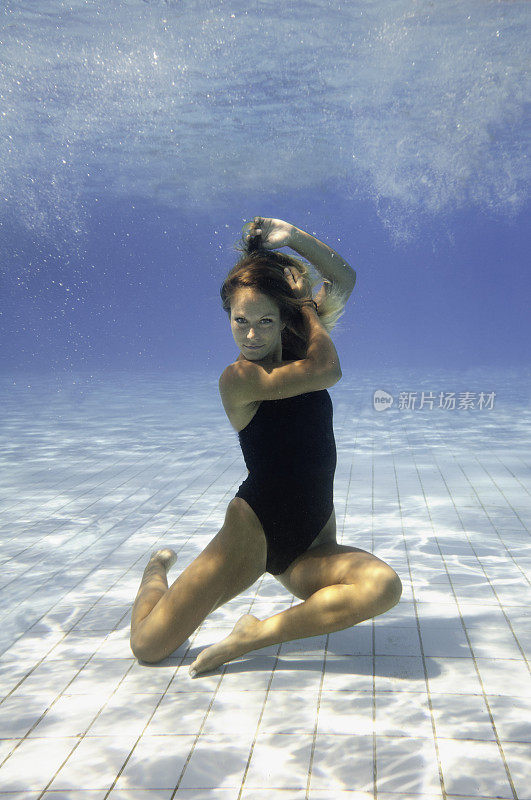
(347,673)
(406,765)
(399,673)
(343,713)
(342,762)
(452,676)
(94,764)
(290,712)
(355,641)
(70,715)
(512,717)
(476,769)
(19,714)
(237,712)
(442,641)
(280,761)
(517,757)
(179,713)
(106,674)
(156,762)
(462,716)
(505,676)
(403,714)
(304,672)
(216,763)
(396,641)
(34,763)
(130,716)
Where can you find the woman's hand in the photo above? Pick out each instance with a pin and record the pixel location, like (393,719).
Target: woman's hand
(299,284)
(274,233)
(323,293)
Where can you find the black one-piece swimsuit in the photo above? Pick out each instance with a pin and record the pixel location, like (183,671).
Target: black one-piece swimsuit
(290,452)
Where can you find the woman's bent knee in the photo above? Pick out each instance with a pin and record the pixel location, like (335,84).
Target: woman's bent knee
(387,585)
(149,651)
(143,651)
(381,582)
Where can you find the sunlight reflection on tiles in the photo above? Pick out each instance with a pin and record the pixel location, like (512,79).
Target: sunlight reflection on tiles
(236,713)
(85,512)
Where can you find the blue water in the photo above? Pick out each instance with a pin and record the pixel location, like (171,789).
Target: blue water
(137,138)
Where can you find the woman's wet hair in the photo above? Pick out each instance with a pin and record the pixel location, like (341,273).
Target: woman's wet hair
(263,270)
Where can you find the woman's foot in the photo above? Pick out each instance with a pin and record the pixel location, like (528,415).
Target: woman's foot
(166,555)
(242,638)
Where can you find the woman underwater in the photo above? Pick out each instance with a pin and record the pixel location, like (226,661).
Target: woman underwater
(282,518)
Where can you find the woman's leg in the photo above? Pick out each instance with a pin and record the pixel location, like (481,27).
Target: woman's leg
(340,586)
(163,617)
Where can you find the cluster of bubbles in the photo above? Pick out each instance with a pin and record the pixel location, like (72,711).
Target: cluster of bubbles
(415,107)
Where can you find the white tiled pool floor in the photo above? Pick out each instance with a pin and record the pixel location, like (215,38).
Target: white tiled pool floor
(428,701)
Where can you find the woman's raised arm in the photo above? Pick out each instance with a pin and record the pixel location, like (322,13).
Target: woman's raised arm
(276,233)
(330,264)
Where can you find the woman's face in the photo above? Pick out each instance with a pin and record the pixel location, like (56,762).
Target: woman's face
(256,325)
